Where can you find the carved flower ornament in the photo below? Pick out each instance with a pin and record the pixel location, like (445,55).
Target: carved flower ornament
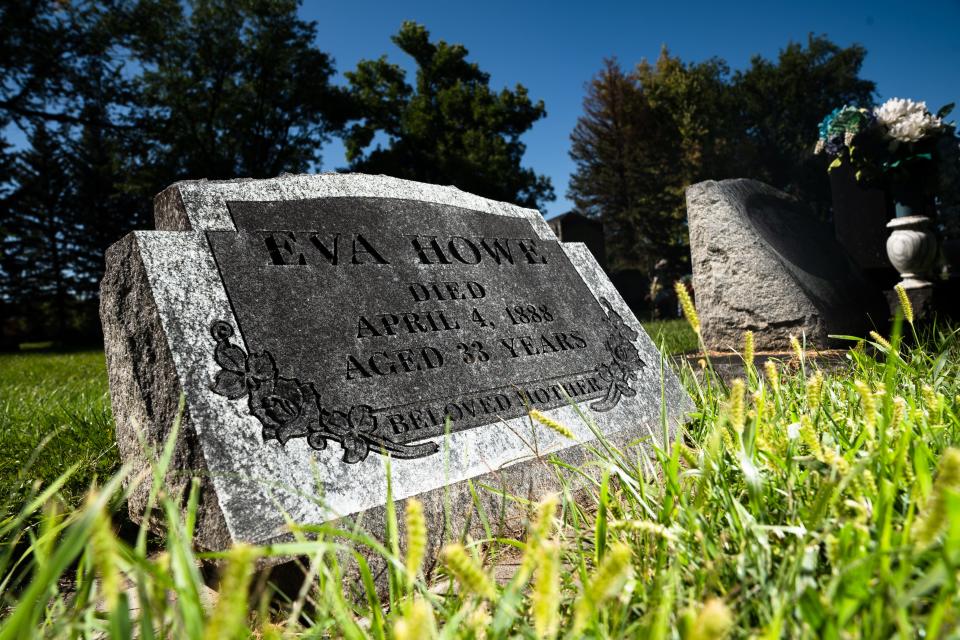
(288,408)
(622,370)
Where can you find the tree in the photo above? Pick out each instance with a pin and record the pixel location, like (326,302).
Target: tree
(781,104)
(39,238)
(451,128)
(132,95)
(644,137)
(232,89)
(607,146)
(64,78)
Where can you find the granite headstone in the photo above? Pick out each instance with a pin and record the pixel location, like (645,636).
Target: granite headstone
(321,327)
(762,262)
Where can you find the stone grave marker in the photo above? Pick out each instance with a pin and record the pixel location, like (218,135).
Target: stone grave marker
(321,327)
(762,262)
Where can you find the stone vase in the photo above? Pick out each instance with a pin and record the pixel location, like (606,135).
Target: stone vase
(912,249)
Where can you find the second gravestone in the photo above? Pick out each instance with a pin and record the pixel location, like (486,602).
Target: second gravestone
(317,325)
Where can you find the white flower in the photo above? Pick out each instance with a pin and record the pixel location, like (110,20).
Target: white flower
(906,120)
(793,430)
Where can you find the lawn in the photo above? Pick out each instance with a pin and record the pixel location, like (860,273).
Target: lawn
(55,413)
(672,336)
(796,503)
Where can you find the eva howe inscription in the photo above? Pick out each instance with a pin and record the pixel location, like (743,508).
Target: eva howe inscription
(371,323)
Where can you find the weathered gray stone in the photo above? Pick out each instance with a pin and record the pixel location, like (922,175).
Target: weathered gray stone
(762,262)
(258,343)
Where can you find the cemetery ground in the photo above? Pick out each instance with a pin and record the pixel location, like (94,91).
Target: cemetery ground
(796,503)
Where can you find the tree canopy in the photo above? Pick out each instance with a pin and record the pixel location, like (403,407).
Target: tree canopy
(448,128)
(118,99)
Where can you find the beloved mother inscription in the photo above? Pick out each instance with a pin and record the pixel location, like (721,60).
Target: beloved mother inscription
(468,319)
(324,330)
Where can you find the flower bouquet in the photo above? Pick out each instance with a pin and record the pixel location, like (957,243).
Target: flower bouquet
(900,147)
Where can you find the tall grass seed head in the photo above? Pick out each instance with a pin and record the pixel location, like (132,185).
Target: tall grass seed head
(880,340)
(737,405)
(605,583)
(417,622)
(748,352)
(229,617)
(797,348)
(544,517)
(105,559)
(713,622)
(545,597)
(933,517)
(416,537)
(686,304)
(773,375)
(814,391)
(905,303)
(897,415)
(468,571)
(869,404)
(551,424)
(478,620)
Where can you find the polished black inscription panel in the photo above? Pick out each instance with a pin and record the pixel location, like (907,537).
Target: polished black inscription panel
(370,322)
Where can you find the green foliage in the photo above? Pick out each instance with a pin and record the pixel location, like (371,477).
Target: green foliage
(649,133)
(802,504)
(120,99)
(782,104)
(644,137)
(231,88)
(450,128)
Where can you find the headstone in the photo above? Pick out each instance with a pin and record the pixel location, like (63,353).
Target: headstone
(323,327)
(762,262)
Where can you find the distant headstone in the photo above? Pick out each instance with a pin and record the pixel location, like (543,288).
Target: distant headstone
(762,262)
(319,325)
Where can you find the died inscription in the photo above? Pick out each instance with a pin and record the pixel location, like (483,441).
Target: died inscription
(373,322)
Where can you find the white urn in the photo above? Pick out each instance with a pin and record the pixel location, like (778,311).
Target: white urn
(912,249)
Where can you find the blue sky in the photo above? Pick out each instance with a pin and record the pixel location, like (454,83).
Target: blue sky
(554,48)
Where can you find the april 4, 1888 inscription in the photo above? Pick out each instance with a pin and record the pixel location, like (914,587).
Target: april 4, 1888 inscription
(376,323)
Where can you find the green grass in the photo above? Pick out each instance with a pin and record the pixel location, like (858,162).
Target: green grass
(673,336)
(55,413)
(803,505)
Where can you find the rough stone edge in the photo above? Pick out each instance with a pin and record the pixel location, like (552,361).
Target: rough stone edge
(145,392)
(201,204)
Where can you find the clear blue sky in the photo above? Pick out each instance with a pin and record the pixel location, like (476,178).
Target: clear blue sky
(554,48)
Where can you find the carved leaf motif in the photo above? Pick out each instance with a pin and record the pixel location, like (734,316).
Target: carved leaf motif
(261,366)
(287,408)
(361,418)
(231,357)
(336,421)
(230,384)
(286,402)
(355,449)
